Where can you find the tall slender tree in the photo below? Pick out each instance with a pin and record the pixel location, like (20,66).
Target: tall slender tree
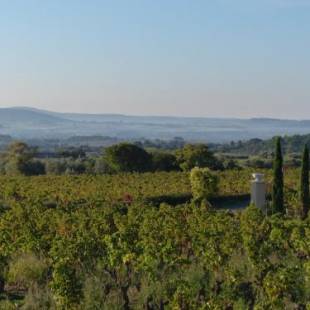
(304,183)
(277,188)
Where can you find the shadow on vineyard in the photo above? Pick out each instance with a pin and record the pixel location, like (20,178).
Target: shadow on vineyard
(233,202)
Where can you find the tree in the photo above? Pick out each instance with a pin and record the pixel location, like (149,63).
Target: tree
(127,157)
(204,183)
(19,160)
(197,155)
(277,188)
(55,166)
(304,183)
(231,164)
(163,161)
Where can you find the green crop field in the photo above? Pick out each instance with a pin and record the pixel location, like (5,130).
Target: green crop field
(100,242)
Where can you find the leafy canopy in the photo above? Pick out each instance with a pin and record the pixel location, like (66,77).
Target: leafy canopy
(197,155)
(127,157)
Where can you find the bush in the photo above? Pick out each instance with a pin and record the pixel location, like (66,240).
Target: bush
(75,167)
(38,298)
(126,157)
(101,292)
(56,167)
(35,167)
(26,270)
(101,167)
(197,155)
(18,159)
(164,162)
(7,305)
(204,183)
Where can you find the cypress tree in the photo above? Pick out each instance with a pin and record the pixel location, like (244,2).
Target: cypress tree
(304,183)
(277,187)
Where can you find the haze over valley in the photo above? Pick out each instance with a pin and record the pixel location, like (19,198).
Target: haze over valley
(30,123)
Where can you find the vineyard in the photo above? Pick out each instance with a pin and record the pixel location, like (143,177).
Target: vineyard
(64,190)
(100,242)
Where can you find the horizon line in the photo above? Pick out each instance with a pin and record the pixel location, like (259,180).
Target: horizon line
(31,108)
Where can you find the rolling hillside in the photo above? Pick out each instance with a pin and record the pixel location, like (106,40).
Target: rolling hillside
(23,122)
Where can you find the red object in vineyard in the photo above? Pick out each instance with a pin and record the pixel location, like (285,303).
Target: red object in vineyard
(127,198)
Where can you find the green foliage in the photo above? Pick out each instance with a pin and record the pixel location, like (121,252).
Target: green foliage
(277,187)
(96,243)
(20,151)
(27,269)
(18,160)
(258,162)
(255,230)
(271,244)
(7,305)
(197,155)
(287,283)
(164,162)
(66,285)
(55,167)
(231,164)
(290,144)
(204,184)
(38,298)
(101,167)
(96,291)
(126,157)
(304,183)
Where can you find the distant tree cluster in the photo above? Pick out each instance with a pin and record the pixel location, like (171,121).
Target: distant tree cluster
(290,145)
(126,157)
(19,158)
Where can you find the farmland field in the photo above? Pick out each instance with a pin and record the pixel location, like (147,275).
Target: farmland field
(116,242)
(115,188)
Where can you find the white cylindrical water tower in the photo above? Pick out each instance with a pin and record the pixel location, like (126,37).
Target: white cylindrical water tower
(258,190)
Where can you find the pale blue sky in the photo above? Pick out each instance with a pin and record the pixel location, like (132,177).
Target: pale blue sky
(228,58)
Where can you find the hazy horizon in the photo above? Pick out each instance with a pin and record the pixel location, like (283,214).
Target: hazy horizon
(153,115)
(223,59)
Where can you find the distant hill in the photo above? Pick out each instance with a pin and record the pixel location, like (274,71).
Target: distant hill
(28,117)
(29,123)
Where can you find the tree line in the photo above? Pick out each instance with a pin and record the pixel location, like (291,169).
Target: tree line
(21,159)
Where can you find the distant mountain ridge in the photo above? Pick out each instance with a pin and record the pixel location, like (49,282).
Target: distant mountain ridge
(8,115)
(31,123)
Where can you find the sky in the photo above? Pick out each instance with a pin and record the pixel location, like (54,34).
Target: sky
(212,58)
